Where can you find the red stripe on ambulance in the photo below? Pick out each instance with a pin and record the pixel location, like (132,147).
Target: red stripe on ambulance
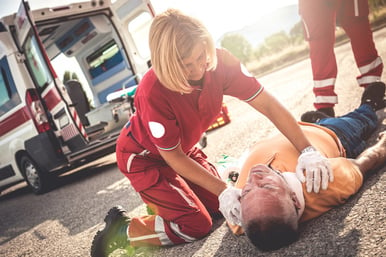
(78,122)
(14,120)
(52,98)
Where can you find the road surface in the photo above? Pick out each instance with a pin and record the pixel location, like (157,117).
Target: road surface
(63,222)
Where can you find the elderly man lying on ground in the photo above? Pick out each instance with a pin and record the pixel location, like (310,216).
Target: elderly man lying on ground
(274,201)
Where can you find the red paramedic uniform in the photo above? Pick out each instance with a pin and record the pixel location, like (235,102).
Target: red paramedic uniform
(319,19)
(163,120)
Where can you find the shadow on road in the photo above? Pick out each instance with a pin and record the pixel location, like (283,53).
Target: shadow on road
(19,203)
(72,176)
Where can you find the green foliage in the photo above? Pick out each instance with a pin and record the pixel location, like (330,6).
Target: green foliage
(375,5)
(75,76)
(68,75)
(277,42)
(281,47)
(280,41)
(261,51)
(296,34)
(238,46)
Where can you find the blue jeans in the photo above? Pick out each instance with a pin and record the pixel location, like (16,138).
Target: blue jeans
(353,128)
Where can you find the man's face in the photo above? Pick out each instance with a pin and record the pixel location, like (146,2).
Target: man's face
(266,193)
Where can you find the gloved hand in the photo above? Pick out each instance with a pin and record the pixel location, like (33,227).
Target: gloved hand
(317,167)
(230,205)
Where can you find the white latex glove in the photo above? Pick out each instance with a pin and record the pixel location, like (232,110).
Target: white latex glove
(230,205)
(317,167)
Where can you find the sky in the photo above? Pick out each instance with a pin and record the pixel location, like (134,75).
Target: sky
(219,16)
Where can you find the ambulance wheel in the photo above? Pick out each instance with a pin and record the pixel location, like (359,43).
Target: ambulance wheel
(36,179)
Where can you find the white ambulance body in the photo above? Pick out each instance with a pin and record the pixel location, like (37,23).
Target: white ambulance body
(47,126)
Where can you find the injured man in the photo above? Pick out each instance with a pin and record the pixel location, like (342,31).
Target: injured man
(273,199)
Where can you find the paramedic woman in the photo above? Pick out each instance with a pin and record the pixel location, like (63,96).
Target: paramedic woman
(176,101)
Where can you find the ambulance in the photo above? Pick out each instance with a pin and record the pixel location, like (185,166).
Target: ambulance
(49,124)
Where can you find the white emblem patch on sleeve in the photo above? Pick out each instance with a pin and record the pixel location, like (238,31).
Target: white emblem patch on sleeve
(245,71)
(156,129)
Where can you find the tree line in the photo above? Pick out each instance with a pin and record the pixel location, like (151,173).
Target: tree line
(280,41)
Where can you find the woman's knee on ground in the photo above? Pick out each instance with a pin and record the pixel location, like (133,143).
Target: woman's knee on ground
(196,225)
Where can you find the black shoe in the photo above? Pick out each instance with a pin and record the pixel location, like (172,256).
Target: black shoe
(374,95)
(329,111)
(313,116)
(113,236)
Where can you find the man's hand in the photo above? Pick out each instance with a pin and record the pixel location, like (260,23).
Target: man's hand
(230,205)
(317,167)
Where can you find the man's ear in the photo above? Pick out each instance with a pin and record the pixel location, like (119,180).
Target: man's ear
(295,200)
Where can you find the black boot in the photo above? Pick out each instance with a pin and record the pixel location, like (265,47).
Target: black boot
(313,116)
(374,95)
(114,235)
(329,111)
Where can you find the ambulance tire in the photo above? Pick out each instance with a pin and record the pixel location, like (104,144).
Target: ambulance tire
(36,178)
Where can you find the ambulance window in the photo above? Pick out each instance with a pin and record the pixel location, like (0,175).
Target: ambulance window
(4,89)
(139,29)
(9,97)
(36,64)
(105,58)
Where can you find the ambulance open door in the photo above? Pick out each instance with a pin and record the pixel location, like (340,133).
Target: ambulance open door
(62,118)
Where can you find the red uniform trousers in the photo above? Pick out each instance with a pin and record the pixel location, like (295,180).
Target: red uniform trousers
(319,19)
(182,208)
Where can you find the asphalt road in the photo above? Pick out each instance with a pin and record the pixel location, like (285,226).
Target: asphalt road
(63,222)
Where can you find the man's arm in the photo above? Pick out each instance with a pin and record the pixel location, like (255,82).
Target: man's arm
(373,157)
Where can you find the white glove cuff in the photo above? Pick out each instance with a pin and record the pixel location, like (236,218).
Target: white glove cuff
(309,149)
(223,193)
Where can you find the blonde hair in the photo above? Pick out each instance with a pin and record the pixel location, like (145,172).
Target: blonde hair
(173,35)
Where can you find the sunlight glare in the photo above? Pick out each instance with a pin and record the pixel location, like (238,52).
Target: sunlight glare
(223,16)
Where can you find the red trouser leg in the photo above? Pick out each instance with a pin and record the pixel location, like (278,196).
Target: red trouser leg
(324,73)
(181,216)
(182,210)
(318,18)
(357,27)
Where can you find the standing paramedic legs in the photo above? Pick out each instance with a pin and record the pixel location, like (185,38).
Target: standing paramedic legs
(319,19)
